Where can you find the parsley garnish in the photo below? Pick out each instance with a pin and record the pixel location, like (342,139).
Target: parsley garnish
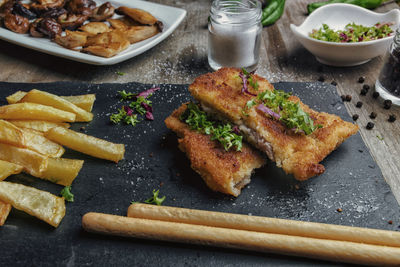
(252,83)
(223,133)
(120,73)
(290,113)
(154,199)
(125,96)
(66,193)
(379,137)
(137,105)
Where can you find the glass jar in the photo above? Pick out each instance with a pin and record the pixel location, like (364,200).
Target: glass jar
(234,34)
(388,83)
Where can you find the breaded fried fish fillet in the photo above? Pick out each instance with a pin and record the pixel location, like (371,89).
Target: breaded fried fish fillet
(220,93)
(224,171)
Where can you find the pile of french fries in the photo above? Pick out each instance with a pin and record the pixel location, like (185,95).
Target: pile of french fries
(33,130)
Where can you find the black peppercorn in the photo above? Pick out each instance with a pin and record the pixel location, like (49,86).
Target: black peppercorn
(343,97)
(355,117)
(373,115)
(370,125)
(363,92)
(387,104)
(375,94)
(334,83)
(392,118)
(321,79)
(361,79)
(348,98)
(359,104)
(366,87)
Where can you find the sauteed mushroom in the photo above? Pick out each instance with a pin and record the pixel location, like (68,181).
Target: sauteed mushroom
(71,21)
(81,7)
(103,12)
(43,6)
(33,28)
(54,13)
(22,10)
(49,27)
(16,23)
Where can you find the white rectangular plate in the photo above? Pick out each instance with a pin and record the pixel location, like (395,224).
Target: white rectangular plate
(171,17)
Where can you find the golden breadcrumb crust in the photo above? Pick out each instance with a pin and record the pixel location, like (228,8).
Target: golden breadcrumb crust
(224,171)
(296,153)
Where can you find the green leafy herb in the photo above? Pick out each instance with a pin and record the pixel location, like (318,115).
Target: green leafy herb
(155,199)
(379,137)
(125,96)
(289,112)
(352,33)
(120,73)
(66,193)
(252,83)
(223,133)
(137,105)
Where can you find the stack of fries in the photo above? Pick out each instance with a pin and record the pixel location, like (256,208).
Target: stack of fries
(33,130)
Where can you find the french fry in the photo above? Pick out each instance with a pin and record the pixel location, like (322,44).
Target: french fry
(83,101)
(7,169)
(38,203)
(11,134)
(33,111)
(37,142)
(16,97)
(86,144)
(41,126)
(32,162)
(5,209)
(62,171)
(44,98)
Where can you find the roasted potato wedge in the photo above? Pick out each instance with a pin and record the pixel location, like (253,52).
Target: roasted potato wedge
(11,134)
(8,168)
(32,162)
(16,97)
(37,142)
(62,171)
(41,126)
(71,39)
(83,101)
(139,33)
(136,14)
(38,203)
(33,111)
(44,98)
(94,28)
(5,209)
(86,144)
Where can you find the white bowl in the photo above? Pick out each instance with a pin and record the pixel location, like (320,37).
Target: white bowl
(336,16)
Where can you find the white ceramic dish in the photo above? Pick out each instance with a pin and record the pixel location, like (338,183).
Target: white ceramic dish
(170,16)
(336,16)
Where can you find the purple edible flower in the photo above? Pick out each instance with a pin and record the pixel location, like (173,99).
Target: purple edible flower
(268,111)
(128,110)
(148,92)
(244,88)
(149,111)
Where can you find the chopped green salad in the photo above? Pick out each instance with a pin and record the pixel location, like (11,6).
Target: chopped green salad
(352,33)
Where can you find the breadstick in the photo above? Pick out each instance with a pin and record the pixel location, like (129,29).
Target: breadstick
(266,225)
(231,238)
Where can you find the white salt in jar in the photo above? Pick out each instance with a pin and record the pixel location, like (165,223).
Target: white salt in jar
(234,34)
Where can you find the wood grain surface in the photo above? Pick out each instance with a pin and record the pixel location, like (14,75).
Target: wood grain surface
(183,56)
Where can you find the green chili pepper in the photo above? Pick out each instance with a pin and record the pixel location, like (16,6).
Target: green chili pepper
(272,12)
(370,4)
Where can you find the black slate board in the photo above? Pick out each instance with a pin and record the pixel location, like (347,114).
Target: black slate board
(352,182)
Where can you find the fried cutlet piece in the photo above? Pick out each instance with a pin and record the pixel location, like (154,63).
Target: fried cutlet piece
(220,94)
(224,171)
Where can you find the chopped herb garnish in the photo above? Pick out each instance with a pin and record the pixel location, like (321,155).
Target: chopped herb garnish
(223,133)
(279,107)
(140,106)
(155,199)
(379,137)
(252,83)
(120,73)
(66,193)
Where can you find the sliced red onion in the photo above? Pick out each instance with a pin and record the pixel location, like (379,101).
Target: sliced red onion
(148,92)
(128,111)
(268,111)
(244,88)
(149,111)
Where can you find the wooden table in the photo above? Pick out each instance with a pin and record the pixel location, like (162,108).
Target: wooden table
(183,56)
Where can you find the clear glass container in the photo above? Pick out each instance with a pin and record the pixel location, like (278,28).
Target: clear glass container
(234,34)
(388,83)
